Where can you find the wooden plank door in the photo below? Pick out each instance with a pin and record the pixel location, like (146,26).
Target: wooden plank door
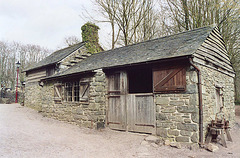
(117,100)
(141,113)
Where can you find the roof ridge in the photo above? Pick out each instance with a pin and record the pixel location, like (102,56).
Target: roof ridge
(54,54)
(67,47)
(176,45)
(167,36)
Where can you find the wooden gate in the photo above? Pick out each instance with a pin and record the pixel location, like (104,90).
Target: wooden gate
(131,112)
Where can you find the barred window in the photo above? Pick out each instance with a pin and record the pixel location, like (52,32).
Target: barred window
(68,91)
(77,91)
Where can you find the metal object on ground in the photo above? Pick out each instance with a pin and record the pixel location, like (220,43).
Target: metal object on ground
(216,128)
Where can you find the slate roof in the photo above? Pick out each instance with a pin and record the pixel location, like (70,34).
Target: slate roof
(56,56)
(178,45)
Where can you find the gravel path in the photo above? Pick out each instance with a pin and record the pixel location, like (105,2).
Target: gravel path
(25,133)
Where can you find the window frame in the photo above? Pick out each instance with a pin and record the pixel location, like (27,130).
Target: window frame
(72,91)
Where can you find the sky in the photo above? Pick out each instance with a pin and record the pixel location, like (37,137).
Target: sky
(46,22)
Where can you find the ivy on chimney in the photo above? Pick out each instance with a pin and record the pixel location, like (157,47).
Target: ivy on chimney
(90,36)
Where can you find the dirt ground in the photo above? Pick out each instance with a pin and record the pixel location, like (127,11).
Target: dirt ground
(25,133)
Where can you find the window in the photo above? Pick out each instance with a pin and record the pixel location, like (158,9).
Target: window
(72,91)
(140,80)
(50,71)
(169,80)
(68,91)
(219,100)
(76,91)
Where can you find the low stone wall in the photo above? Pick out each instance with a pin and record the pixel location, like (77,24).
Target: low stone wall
(89,114)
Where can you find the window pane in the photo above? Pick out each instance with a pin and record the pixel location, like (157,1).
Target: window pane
(76,91)
(68,91)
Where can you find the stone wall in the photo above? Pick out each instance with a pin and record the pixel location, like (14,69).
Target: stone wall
(33,92)
(88,114)
(75,57)
(177,115)
(210,79)
(33,96)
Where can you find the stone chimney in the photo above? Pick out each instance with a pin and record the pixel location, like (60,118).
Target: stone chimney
(90,36)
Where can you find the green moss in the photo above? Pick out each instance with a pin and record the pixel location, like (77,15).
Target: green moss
(237,102)
(90,36)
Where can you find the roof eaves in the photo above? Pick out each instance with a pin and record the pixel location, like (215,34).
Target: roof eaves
(117,66)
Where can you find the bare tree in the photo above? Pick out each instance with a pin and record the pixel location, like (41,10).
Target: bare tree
(71,40)
(131,20)
(108,9)
(10,53)
(190,14)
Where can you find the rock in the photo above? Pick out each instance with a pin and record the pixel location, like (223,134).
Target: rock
(162,101)
(167,142)
(192,88)
(100,78)
(194,147)
(173,132)
(154,145)
(195,117)
(152,139)
(177,103)
(193,101)
(162,132)
(161,116)
(144,143)
(100,125)
(187,120)
(99,89)
(194,138)
(168,109)
(187,109)
(182,139)
(175,145)
(185,133)
(212,147)
(187,126)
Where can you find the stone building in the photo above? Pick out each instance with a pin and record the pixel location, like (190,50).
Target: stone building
(57,62)
(171,87)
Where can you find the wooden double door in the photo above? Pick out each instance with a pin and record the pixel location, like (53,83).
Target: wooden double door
(129,112)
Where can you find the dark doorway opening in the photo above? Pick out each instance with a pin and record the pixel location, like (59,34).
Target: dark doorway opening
(140,80)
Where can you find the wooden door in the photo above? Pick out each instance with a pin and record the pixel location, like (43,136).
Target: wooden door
(117,101)
(141,113)
(131,112)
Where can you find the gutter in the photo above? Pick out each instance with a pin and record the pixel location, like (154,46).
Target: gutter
(200,102)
